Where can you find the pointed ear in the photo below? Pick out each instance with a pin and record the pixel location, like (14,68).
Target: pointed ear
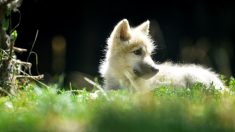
(144,27)
(122,30)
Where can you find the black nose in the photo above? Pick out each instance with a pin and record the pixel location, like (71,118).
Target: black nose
(154,70)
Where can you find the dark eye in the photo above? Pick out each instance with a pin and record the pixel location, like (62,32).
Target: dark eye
(138,52)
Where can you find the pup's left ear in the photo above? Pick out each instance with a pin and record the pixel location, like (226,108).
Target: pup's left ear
(144,27)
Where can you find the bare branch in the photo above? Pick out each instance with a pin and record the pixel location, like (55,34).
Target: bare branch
(38,77)
(19,50)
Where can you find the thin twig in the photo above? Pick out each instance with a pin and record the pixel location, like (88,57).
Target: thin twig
(19,50)
(17,25)
(38,77)
(35,79)
(30,52)
(97,86)
(36,63)
(28,64)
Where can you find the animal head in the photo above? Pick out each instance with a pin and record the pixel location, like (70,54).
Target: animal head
(129,50)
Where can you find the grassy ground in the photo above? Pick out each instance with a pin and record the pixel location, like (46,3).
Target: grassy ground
(164,109)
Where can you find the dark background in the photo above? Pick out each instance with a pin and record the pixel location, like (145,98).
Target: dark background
(200,32)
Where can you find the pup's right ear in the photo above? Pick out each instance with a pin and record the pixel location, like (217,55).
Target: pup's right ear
(122,30)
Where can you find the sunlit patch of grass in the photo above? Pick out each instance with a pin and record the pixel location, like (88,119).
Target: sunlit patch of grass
(164,109)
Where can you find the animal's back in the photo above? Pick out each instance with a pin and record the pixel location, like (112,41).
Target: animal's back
(186,75)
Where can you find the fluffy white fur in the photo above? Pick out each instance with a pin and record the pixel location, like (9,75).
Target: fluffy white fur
(117,67)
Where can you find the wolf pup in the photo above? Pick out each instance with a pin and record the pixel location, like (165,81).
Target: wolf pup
(128,63)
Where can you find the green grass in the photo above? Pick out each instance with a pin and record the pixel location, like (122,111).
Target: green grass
(164,109)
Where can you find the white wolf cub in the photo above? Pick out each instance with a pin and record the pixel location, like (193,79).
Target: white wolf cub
(128,63)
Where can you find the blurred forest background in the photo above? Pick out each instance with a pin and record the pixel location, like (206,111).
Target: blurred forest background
(72,34)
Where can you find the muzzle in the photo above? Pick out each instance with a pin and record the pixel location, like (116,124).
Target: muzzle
(145,70)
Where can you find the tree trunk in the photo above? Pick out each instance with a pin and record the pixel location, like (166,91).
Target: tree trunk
(5,68)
